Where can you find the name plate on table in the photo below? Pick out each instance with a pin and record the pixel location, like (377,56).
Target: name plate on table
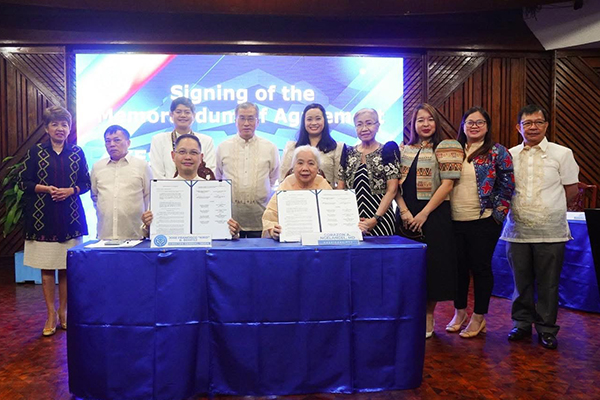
(160,241)
(331,239)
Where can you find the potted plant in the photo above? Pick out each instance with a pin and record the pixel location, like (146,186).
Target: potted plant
(13,201)
(12,198)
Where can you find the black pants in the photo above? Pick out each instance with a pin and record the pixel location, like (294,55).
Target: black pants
(250,234)
(475,244)
(536,266)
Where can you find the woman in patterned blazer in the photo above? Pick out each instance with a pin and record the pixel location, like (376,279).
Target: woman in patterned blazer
(429,167)
(54,177)
(480,201)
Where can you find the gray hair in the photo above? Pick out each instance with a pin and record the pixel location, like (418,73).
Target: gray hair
(364,111)
(246,105)
(309,148)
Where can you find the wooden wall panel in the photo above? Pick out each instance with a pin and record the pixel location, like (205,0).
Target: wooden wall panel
(32,79)
(577,114)
(494,83)
(413,89)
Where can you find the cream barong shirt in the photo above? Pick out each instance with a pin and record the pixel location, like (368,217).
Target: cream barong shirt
(253,167)
(538,212)
(120,192)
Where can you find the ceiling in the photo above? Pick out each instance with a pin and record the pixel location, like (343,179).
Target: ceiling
(316,8)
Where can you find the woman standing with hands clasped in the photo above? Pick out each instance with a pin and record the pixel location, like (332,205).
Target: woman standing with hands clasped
(54,177)
(480,201)
(429,167)
(371,169)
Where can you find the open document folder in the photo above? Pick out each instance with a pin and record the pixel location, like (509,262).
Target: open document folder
(313,211)
(182,207)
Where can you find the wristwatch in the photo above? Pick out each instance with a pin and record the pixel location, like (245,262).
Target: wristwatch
(377,217)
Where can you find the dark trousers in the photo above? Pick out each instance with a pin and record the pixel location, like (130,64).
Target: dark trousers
(539,264)
(475,244)
(250,234)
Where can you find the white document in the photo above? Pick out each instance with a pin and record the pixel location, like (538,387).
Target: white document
(298,213)
(190,208)
(111,244)
(338,211)
(170,202)
(211,208)
(315,211)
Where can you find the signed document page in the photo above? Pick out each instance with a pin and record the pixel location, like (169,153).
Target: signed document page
(211,208)
(298,214)
(338,211)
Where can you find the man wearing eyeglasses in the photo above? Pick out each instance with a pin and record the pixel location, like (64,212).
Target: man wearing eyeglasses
(252,164)
(120,188)
(183,114)
(536,229)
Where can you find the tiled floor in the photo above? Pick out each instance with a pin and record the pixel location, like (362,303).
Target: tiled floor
(33,367)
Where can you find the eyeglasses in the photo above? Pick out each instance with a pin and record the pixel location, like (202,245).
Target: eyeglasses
(529,124)
(368,124)
(182,112)
(243,119)
(479,123)
(183,153)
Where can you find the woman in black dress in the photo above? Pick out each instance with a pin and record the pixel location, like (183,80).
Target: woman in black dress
(372,170)
(429,167)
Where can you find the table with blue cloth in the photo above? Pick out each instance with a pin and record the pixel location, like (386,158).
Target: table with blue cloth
(578,287)
(246,317)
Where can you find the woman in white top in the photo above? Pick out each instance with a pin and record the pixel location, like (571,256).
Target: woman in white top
(314,131)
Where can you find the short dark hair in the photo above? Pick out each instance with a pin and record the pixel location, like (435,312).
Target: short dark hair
(183,101)
(114,129)
(56,113)
(532,109)
(326,144)
(246,105)
(188,136)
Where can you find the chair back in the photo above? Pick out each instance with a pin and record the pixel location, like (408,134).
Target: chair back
(585,198)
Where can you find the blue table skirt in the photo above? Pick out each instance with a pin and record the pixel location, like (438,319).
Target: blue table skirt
(247,317)
(578,286)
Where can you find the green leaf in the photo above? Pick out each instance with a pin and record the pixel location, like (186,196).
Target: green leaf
(19,195)
(18,215)
(10,216)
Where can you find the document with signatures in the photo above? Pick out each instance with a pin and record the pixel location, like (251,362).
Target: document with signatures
(198,207)
(311,211)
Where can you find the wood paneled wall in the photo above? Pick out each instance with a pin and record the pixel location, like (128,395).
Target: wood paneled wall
(31,80)
(567,84)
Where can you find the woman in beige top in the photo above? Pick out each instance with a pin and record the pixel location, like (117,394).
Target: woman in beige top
(314,131)
(306,161)
(479,204)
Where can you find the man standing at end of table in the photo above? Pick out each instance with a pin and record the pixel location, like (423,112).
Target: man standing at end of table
(536,230)
(252,164)
(120,188)
(183,114)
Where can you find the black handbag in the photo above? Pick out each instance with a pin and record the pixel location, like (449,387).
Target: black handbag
(412,235)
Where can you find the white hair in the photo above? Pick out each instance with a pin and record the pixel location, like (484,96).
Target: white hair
(309,148)
(365,111)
